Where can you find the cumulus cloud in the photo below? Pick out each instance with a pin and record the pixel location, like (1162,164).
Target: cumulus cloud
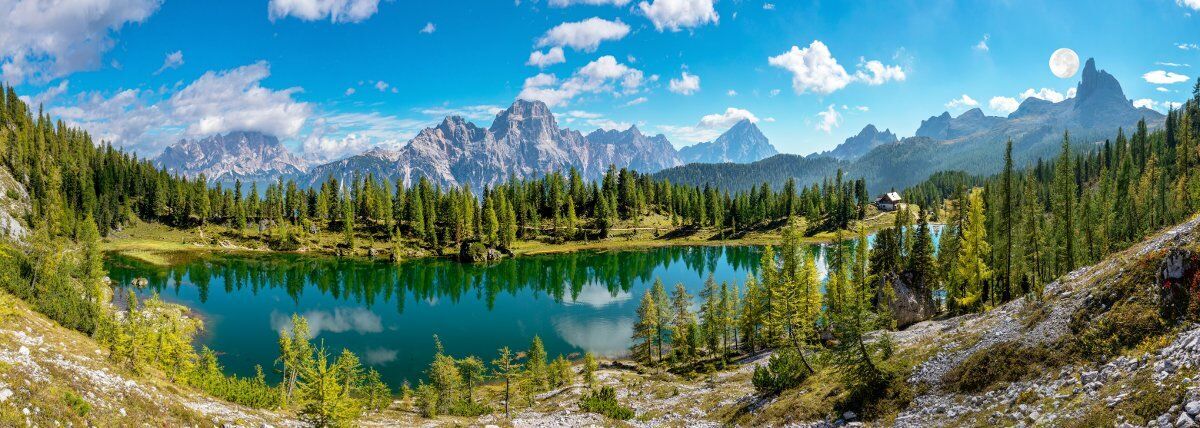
(584,35)
(1047,94)
(1004,105)
(350,91)
(828,120)
(1187,46)
(709,127)
(217,102)
(336,11)
(1190,4)
(173,60)
(875,73)
(731,93)
(686,84)
(768,6)
(814,69)
(1162,77)
(234,100)
(545,59)
(963,101)
(429,28)
(44,40)
(1143,103)
(676,15)
(382,86)
(1156,105)
(604,75)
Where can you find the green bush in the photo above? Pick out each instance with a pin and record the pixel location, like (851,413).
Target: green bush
(604,402)
(78,405)
(785,370)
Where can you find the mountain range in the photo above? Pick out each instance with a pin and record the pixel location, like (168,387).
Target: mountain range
(972,142)
(524,141)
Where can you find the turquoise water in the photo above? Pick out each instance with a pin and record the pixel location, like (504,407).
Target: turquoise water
(388,313)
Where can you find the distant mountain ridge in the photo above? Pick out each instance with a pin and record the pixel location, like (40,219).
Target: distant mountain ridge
(742,143)
(869,138)
(970,142)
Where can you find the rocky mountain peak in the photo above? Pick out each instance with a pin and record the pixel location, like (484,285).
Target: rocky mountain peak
(526,117)
(742,143)
(1097,87)
(235,155)
(868,138)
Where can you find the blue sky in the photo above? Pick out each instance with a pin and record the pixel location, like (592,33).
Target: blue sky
(335,77)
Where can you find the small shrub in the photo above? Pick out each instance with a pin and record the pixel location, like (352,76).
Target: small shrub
(604,402)
(468,409)
(1149,400)
(783,371)
(77,404)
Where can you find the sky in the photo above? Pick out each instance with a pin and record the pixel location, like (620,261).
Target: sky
(332,78)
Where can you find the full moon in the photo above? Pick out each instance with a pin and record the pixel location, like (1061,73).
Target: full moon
(1064,63)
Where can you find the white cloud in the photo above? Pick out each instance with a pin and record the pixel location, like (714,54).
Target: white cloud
(1191,4)
(173,60)
(676,15)
(710,126)
(381,86)
(349,91)
(982,46)
(566,3)
(604,75)
(775,92)
(727,119)
(233,100)
(584,35)
(1162,89)
(686,84)
(768,6)
(636,101)
(542,60)
(1047,94)
(863,109)
(1171,64)
(815,69)
(1156,105)
(429,28)
(1187,46)
(337,11)
(1161,77)
(828,120)
(876,73)
(962,102)
(1004,105)
(44,40)
(46,96)
(731,93)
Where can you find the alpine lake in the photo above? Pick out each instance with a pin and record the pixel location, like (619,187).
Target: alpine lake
(388,313)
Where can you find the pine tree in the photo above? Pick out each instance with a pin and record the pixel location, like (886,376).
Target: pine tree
(1064,190)
(505,367)
(646,330)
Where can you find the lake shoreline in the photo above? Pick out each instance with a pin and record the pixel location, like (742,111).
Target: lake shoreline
(165,246)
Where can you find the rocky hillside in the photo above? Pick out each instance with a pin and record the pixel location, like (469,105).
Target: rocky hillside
(51,376)
(869,138)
